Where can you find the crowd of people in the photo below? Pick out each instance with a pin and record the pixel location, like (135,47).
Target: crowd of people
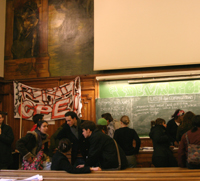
(100,146)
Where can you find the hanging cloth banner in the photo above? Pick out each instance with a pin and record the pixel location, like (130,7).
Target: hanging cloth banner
(53,103)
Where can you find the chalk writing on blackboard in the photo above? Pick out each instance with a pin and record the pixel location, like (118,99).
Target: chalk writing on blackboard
(142,110)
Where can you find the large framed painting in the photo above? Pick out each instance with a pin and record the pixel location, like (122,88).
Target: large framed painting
(49,38)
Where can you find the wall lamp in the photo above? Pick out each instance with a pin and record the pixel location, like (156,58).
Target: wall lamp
(153,77)
(164,79)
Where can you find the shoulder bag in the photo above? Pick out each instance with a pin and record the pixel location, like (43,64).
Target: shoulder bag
(193,153)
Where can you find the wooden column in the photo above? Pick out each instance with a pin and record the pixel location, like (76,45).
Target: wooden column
(42,62)
(9,29)
(43,28)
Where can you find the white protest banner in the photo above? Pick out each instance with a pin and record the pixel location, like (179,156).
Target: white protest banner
(53,103)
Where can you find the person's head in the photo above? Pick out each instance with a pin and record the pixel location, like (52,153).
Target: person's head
(88,127)
(158,121)
(102,125)
(37,118)
(1,118)
(42,126)
(108,117)
(102,122)
(187,119)
(71,118)
(178,115)
(64,145)
(125,120)
(195,123)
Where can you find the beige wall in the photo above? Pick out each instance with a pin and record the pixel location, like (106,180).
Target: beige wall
(2,35)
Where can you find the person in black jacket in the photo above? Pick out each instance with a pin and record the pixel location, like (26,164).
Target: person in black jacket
(6,139)
(162,154)
(61,162)
(54,141)
(72,130)
(173,124)
(32,144)
(125,137)
(103,150)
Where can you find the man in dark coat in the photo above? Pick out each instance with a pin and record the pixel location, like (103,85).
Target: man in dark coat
(6,139)
(173,124)
(102,151)
(72,130)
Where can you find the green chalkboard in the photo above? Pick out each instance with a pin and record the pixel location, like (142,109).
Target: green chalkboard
(143,109)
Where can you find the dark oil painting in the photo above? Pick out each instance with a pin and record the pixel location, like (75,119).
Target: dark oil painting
(25,33)
(71,37)
(69,28)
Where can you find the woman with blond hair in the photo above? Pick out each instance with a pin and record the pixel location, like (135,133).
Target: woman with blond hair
(125,137)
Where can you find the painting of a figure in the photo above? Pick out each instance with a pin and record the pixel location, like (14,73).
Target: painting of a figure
(71,37)
(25,34)
(49,38)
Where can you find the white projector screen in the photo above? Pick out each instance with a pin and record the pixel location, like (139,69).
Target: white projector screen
(146,33)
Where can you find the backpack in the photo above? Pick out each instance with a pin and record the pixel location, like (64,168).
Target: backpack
(193,153)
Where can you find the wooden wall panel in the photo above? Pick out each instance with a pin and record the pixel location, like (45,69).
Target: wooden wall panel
(146,142)
(1,95)
(88,103)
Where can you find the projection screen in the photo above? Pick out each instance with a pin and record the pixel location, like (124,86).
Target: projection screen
(146,33)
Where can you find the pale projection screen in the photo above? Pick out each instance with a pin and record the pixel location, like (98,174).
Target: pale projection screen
(146,33)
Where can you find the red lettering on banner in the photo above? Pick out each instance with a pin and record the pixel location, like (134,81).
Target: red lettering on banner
(27,110)
(60,108)
(41,109)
